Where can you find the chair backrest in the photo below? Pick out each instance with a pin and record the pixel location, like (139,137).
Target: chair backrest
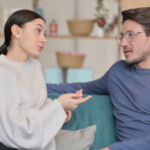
(54,75)
(79,75)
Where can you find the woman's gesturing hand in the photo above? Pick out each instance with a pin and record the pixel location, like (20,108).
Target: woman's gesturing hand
(69,103)
(69,112)
(69,115)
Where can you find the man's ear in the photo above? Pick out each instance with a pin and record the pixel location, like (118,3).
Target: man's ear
(15,29)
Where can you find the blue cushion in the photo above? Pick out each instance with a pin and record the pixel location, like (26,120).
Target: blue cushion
(79,75)
(53,75)
(96,111)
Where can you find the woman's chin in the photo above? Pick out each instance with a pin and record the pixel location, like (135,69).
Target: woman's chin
(35,55)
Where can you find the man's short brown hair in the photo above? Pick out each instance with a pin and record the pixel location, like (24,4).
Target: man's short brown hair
(139,15)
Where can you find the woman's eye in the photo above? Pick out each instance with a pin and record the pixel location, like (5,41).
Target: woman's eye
(38,30)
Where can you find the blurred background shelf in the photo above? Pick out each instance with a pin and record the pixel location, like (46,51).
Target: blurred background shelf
(78,37)
(82,37)
(101,52)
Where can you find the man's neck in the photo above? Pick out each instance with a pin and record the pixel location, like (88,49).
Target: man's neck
(143,65)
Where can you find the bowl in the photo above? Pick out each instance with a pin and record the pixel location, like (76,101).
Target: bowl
(80,27)
(68,61)
(130,4)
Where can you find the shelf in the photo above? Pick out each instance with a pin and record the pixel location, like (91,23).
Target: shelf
(78,37)
(82,37)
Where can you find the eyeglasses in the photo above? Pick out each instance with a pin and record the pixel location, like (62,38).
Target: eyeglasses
(128,35)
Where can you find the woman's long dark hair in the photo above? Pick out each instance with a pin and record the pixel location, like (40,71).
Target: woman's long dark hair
(19,18)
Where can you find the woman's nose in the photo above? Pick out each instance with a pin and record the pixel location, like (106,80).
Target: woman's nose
(44,40)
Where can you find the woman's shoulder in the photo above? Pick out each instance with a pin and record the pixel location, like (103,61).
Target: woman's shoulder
(4,69)
(6,74)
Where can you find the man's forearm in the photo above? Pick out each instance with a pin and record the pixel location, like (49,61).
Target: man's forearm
(142,143)
(64,88)
(97,87)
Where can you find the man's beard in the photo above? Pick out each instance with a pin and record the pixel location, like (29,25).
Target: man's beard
(136,61)
(139,59)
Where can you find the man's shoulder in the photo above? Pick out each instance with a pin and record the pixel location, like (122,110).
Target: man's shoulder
(119,64)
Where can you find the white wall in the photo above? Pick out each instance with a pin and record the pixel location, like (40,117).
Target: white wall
(101,54)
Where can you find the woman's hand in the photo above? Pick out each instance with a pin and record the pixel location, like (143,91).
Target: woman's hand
(69,103)
(68,112)
(69,115)
(80,93)
(105,148)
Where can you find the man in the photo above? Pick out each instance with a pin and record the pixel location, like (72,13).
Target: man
(127,83)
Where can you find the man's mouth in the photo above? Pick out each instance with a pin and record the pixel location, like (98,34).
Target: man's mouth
(127,52)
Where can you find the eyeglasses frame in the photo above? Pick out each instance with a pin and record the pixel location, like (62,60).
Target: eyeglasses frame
(132,36)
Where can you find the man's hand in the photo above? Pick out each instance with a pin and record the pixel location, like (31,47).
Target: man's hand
(69,115)
(106,148)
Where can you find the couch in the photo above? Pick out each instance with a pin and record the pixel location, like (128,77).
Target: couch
(96,111)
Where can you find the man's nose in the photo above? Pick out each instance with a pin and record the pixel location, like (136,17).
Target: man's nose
(124,42)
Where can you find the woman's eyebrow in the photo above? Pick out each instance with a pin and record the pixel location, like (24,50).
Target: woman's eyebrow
(40,26)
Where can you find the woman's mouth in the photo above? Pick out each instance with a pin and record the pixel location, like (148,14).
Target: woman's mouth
(40,48)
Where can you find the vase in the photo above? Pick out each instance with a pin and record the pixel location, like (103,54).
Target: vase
(100,32)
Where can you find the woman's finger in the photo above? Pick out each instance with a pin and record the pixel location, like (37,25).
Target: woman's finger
(69,115)
(84,99)
(80,92)
(71,95)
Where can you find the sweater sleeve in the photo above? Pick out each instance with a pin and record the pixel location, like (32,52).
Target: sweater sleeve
(98,86)
(23,128)
(141,143)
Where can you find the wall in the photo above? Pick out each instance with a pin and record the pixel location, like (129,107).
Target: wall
(101,54)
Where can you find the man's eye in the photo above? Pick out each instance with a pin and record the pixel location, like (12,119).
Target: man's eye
(130,34)
(122,36)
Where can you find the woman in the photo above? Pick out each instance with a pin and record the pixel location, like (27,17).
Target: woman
(28,120)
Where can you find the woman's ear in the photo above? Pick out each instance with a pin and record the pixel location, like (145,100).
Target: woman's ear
(15,29)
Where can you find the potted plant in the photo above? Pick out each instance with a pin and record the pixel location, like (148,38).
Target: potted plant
(101,16)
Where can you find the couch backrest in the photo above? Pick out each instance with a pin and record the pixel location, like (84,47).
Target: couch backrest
(96,111)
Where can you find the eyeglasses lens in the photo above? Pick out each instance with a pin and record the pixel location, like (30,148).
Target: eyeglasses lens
(119,38)
(129,36)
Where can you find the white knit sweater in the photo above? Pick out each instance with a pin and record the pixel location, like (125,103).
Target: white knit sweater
(28,119)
